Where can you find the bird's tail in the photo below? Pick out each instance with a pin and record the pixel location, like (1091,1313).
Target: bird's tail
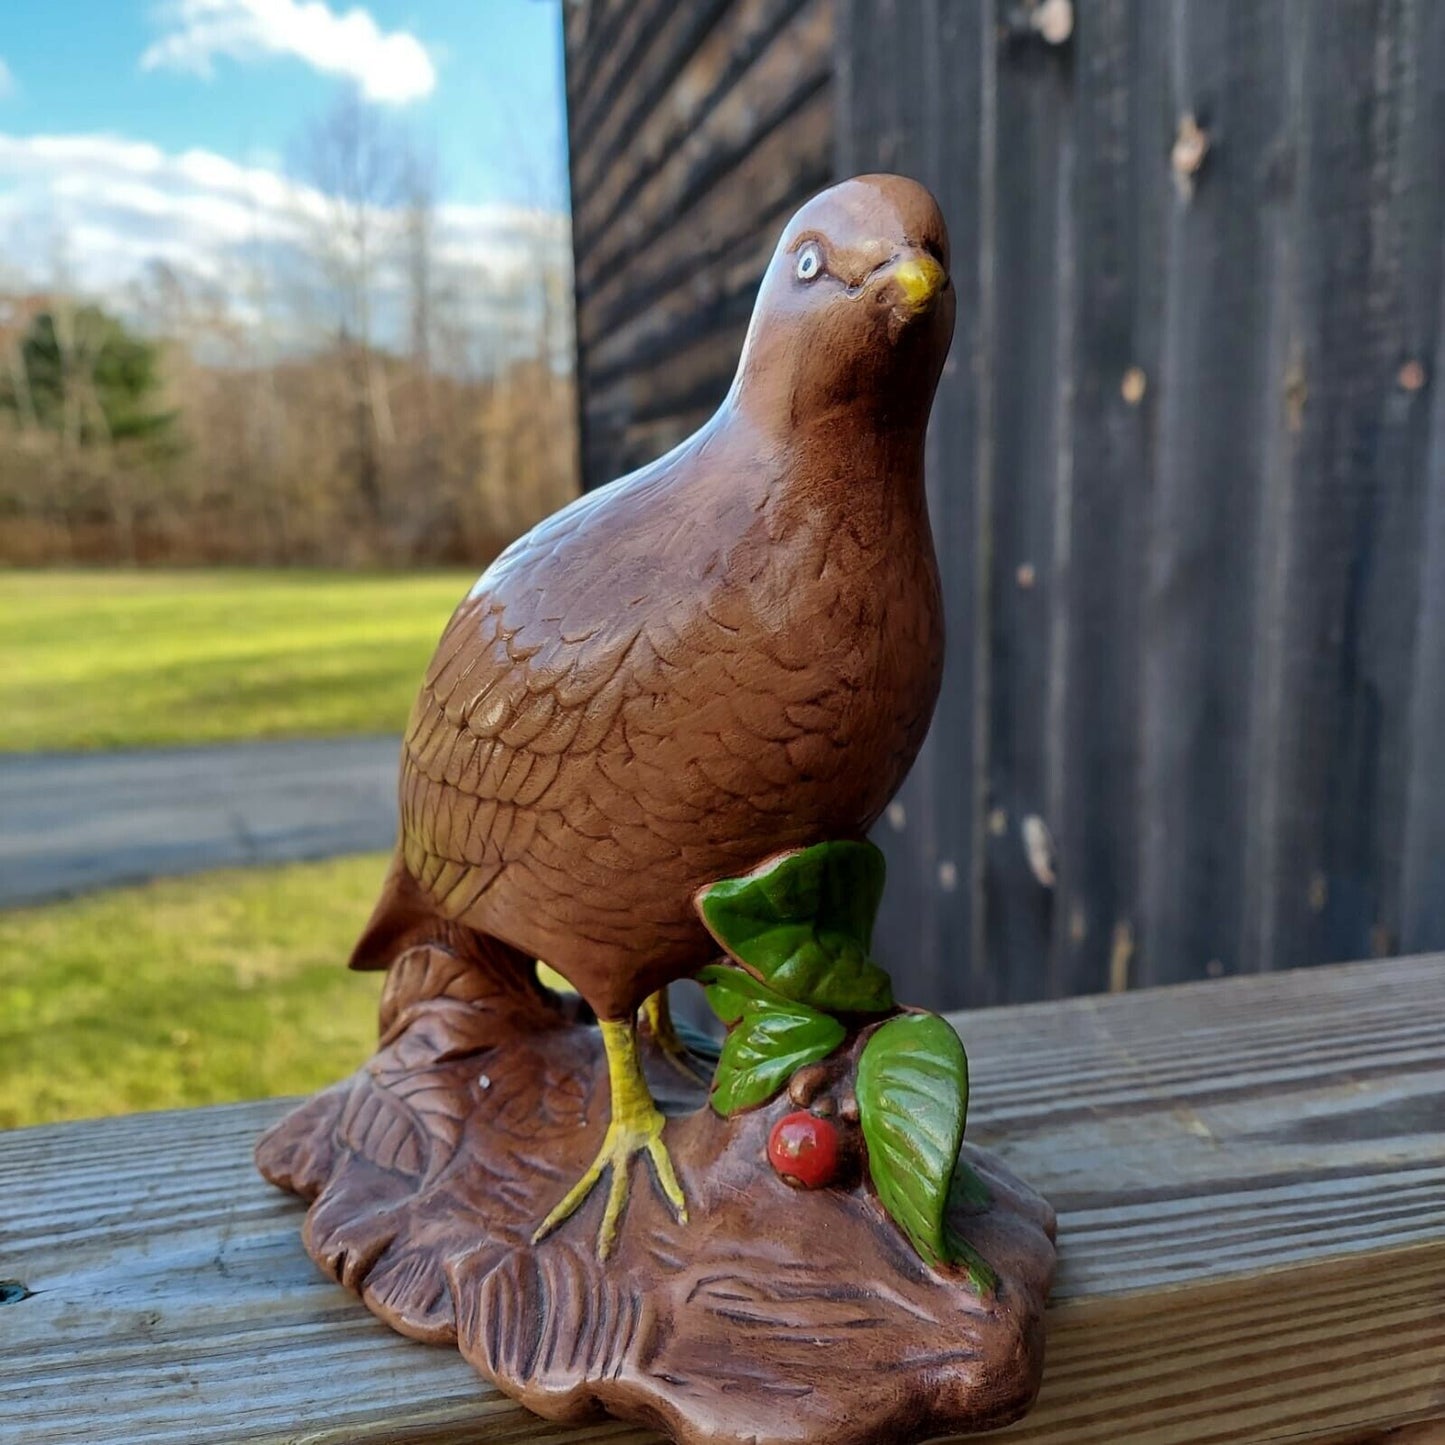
(403,915)
(406,917)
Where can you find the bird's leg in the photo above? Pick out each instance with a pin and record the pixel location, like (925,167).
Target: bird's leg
(657,1015)
(635,1128)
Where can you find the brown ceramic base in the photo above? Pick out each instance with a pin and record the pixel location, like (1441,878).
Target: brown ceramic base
(776,1315)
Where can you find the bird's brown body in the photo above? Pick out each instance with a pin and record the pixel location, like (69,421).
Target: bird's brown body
(724,657)
(730,652)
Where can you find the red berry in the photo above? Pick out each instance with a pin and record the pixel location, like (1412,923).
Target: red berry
(804,1149)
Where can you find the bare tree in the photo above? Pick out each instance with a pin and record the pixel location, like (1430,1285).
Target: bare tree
(419,241)
(403,403)
(359,166)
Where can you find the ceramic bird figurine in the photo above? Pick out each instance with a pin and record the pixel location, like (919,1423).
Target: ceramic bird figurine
(732,651)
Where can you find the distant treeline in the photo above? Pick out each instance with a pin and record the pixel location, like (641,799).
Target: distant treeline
(332,401)
(117,448)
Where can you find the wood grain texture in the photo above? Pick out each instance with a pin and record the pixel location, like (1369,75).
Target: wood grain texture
(1208,570)
(1104,494)
(890,76)
(1195,437)
(1250,1178)
(694,132)
(696,62)
(1366,285)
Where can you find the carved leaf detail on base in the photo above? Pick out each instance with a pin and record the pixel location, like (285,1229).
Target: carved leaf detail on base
(498,986)
(409,1124)
(516,1331)
(411,1284)
(774,1317)
(299,1153)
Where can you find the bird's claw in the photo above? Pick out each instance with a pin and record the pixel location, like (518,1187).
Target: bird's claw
(624,1140)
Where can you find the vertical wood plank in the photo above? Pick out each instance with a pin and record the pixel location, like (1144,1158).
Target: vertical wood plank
(1422,906)
(1216,404)
(1365,825)
(1033,277)
(1122,195)
(1365,302)
(910,87)
(1423,868)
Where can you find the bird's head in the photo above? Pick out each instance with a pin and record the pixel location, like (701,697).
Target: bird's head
(855,312)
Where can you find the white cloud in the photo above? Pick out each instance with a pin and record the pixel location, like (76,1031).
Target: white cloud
(391,67)
(93,212)
(7,80)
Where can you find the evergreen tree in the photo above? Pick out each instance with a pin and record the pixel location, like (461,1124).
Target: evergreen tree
(90,379)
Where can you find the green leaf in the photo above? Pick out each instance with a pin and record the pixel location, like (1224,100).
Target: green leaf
(765,1048)
(804,922)
(912,1101)
(968,1194)
(980,1272)
(729,990)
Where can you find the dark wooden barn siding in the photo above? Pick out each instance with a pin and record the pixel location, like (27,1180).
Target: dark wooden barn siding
(695,129)
(1187,467)
(1189,486)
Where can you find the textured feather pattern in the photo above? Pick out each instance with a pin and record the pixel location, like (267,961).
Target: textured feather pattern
(660,685)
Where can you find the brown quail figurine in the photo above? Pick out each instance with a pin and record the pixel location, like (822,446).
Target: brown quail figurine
(733,651)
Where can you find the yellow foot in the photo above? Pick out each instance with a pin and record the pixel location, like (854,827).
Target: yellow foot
(616,1154)
(657,1015)
(636,1128)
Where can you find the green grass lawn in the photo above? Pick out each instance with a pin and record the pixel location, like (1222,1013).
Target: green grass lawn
(111,659)
(228,985)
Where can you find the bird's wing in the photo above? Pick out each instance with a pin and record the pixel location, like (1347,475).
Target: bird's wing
(491,727)
(528,677)
(553,708)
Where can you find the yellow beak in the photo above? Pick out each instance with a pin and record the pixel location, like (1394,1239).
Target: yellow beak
(920,278)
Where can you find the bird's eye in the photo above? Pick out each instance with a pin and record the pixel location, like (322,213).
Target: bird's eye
(810,262)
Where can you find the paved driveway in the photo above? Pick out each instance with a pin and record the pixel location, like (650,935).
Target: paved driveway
(75,821)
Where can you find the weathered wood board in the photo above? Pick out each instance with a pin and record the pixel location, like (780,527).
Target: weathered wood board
(1187,465)
(1250,1177)
(1187,485)
(694,132)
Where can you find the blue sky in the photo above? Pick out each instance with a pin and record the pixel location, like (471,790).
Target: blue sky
(143,132)
(491,108)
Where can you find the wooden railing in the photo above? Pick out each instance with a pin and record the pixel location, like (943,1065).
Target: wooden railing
(1250,1177)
